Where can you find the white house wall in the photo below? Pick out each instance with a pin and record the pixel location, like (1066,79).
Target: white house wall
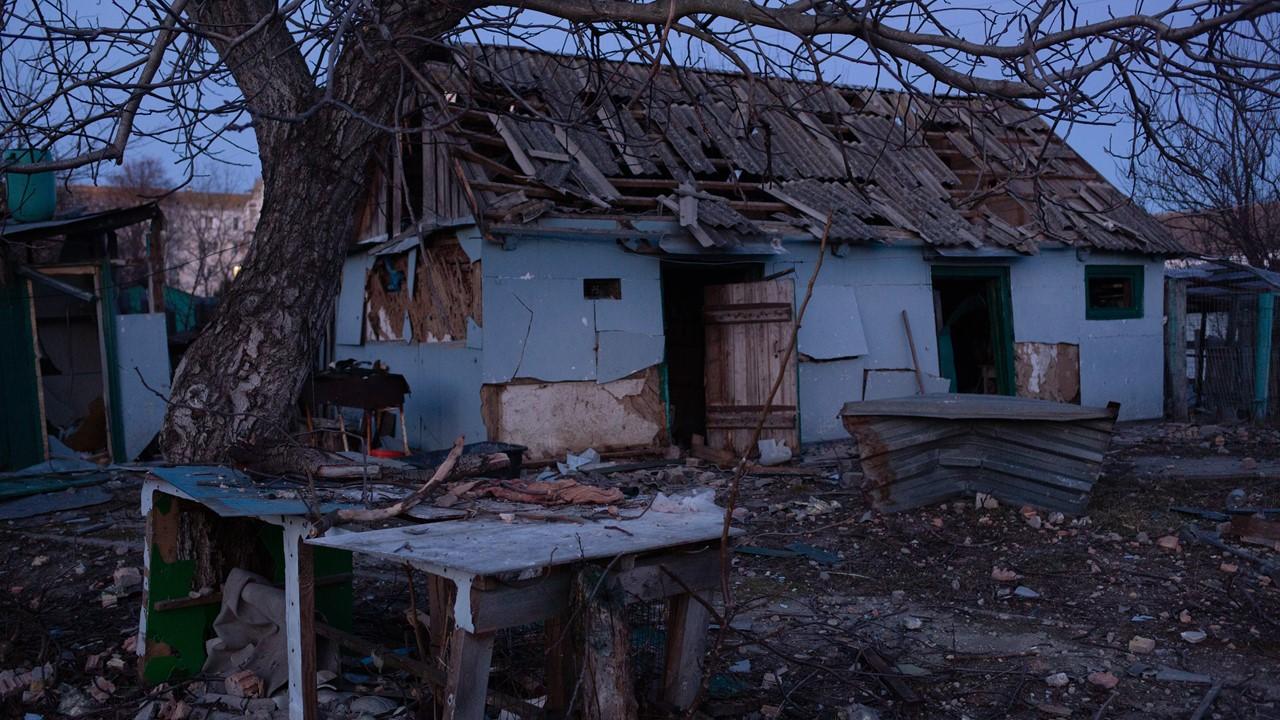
(1120,360)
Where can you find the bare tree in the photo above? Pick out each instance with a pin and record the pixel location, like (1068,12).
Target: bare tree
(1213,163)
(323,84)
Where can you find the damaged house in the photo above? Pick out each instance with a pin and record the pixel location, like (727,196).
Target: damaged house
(610,263)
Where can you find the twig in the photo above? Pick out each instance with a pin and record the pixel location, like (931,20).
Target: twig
(1203,708)
(1098,715)
(735,483)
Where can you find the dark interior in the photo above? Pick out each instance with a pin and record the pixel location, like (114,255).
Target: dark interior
(682,286)
(965,316)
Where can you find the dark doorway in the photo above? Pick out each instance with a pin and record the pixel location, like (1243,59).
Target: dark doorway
(975,328)
(683,284)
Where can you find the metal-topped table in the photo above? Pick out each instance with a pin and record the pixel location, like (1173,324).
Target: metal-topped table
(473,563)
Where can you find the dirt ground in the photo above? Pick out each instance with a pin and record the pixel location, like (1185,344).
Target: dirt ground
(950,611)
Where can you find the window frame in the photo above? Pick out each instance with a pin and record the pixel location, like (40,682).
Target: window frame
(1135,274)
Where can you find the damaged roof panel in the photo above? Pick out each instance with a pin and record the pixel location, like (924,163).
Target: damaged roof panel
(610,138)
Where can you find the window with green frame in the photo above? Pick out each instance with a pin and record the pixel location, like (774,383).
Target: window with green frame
(1113,292)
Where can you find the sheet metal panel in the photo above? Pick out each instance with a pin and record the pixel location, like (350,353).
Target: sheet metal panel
(920,450)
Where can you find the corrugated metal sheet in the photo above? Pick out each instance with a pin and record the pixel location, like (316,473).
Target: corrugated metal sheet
(926,449)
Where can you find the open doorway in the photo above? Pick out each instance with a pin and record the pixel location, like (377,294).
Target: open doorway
(684,285)
(70,351)
(975,328)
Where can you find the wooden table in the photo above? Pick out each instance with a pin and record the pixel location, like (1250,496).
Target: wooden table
(473,566)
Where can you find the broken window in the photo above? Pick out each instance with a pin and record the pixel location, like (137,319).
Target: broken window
(387,298)
(602,288)
(426,295)
(1113,292)
(446,293)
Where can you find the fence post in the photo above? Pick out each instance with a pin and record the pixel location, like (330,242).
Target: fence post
(1262,354)
(1175,348)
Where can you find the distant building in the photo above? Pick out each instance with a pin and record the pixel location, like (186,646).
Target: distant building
(206,234)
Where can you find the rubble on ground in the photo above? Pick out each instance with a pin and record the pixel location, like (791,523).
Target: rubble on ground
(963,609)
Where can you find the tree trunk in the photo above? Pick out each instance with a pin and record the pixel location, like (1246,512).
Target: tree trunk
(607,690)
(237,384)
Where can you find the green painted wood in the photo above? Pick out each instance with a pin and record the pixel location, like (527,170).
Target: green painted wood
(112,355)
(21,436)
(1133,274)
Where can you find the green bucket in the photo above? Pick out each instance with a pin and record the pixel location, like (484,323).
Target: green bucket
(31,195)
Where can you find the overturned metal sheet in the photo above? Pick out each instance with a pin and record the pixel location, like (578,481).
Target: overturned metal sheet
(926,449)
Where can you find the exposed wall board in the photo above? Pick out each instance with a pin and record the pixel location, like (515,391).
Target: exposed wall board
(471,242)
(142,358)
(619,354)
(551,417)
(833,325)
(1126,370)
(1048,371)
(881,384)
(640,308)
(447,293)
(349,315)
(387,299)
(537,258)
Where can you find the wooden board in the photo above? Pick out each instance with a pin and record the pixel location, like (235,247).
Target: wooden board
(492,547)
(748,329)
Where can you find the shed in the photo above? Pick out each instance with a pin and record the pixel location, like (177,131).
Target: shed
(81,366)
(614,258)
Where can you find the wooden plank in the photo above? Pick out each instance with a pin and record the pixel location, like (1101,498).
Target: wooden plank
(686,649)
(1175,347)
(748,328)
(561,666)
(469,660)
(295,531)
(747,313)
(307,626)
(492,547)
(739,417)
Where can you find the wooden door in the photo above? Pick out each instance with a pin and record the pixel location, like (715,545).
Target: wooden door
(748,329)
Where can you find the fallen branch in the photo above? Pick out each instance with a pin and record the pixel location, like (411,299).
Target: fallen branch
(1265,567)
(349,515)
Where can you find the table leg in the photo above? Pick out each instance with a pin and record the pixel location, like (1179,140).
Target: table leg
(469,659)
(560,665)
(300,630)
(686,649)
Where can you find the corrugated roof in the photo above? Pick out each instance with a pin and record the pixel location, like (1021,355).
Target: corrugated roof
(768,155)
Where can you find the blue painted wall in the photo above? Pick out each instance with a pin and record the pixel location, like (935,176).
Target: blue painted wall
(1120,360)
(885,281)
(539,326)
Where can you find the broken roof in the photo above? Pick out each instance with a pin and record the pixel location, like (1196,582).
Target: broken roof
(733,158)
